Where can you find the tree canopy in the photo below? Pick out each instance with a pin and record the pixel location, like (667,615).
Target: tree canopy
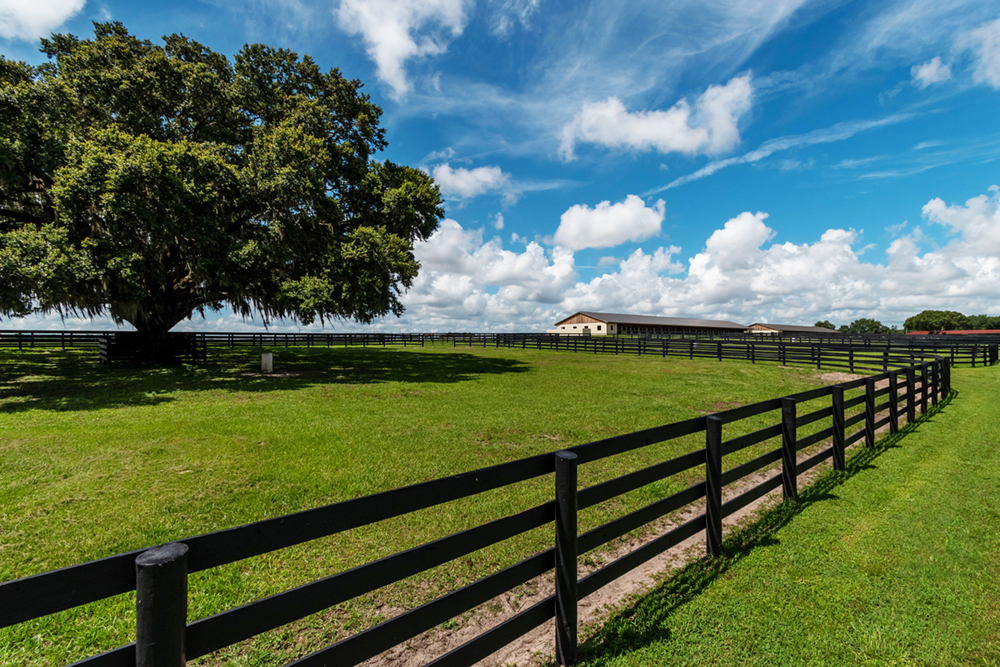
(150,182)
(936,320)
(866,325)
(826,324)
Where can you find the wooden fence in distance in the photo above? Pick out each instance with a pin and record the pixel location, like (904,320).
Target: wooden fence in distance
(961,350)
(164,636)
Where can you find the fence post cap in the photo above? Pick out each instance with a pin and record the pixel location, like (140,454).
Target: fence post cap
(566,454)
(161,555)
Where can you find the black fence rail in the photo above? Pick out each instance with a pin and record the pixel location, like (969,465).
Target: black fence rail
(752,349)
(960,350)
(905,389)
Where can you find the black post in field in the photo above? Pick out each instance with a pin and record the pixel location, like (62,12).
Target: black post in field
(935,382)
(893,404)
(566,557)
(923,387)
(713,485)
(161,606)
(911,404)
(869,412)
(789,480)
(839,455)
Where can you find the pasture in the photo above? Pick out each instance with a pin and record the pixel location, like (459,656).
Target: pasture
(99,461)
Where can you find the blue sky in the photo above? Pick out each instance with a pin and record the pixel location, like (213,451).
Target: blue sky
(780,160)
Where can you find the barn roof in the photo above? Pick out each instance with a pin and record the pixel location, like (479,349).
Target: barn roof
(795,328)
(651,320)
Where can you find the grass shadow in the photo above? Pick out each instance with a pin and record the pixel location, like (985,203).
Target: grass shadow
(644,621)
(73,380)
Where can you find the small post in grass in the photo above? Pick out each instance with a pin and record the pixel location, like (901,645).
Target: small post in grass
(789,480)
(566,558)
(869,412)
(161,605)
(266,362)
(713,485)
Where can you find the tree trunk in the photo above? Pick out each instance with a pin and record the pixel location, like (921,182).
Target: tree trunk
(152,343)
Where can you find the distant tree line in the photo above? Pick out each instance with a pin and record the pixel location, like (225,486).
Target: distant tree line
(860,326)
(933,321)
(944,320)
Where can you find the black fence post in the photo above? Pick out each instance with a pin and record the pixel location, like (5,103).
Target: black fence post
(923,387)
(893,404)
(713,485)
(839,455)
(869,412)
(566,557)
(850,357)
(911,405)
(161,606)
(935,382)
(789,437)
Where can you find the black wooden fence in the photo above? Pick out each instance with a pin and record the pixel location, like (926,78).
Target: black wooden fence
(960,350)
(159,574)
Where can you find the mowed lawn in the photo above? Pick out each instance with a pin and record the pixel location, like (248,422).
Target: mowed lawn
(896,562)
(98,461)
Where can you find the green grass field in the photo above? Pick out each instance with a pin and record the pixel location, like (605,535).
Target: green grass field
(894,562)
(96,462)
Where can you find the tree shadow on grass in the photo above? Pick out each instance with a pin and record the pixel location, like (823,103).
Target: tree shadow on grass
(73,380)
(645,622)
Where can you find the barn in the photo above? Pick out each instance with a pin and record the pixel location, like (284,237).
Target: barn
(776,329)
(603,324)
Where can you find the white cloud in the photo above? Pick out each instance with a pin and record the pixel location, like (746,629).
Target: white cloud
(742,274)
(508,13)
(395,31)
(932,71)
(984,42)
(465,183)
(608,225)
(498,221)
(30,20)
(977,222)
(459,270)
(709,128)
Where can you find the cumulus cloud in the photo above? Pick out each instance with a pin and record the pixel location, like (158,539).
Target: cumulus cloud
(743,273)
(984,42)
(710,127)
(464,279)
(395,31)
(931,72)
(462,183)
(608,225)
(27,20)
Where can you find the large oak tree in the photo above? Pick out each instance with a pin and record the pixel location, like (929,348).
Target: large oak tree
(151,182)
